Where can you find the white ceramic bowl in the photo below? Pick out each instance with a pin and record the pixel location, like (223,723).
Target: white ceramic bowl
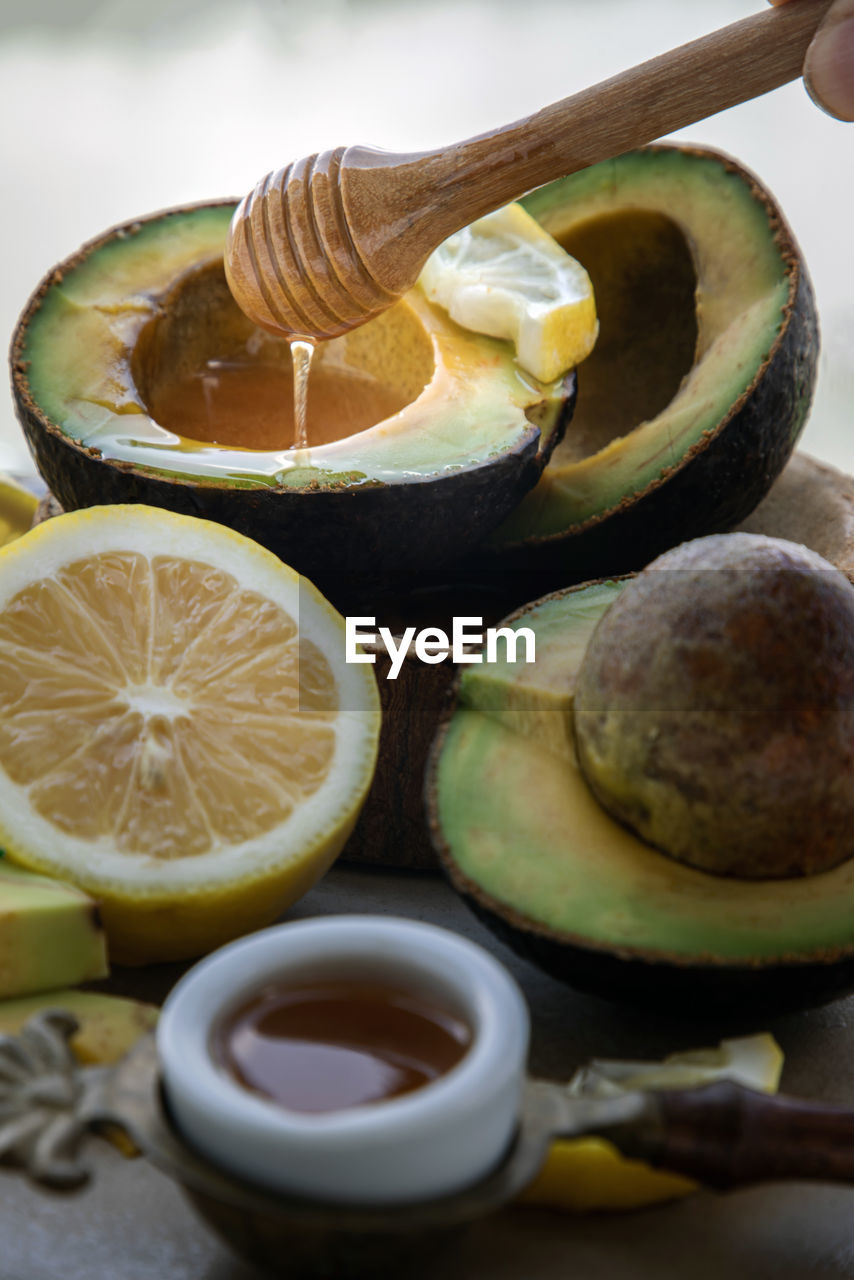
(431,1142)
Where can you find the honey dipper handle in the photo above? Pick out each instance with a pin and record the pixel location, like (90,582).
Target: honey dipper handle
(449,188)
(727,1136)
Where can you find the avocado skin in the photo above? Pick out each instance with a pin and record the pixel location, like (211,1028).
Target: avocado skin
(316,531)
(674,986)
(691,991)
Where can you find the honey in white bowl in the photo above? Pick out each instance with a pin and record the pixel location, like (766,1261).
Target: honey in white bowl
(328,1045)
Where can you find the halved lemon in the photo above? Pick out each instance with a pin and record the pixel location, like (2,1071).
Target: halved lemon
(17,509)
(506,277)
(180,734)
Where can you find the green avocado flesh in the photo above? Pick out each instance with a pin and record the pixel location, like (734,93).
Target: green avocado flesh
(522,829)
(691,283)
(150,303)
(535,699)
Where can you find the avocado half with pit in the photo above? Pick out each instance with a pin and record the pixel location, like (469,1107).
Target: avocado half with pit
(702,376)
(145,305)
(523,839)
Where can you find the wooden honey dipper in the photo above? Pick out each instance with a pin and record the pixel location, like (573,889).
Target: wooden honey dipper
(323,245)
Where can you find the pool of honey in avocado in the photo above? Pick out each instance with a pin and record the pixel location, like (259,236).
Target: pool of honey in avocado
(246,404)
(220,397)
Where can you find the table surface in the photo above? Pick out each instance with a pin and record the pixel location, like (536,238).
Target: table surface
(132,1223)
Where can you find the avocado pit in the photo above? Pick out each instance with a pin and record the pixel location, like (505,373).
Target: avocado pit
(714,710)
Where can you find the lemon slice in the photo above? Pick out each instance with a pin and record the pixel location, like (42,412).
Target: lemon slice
(506,277)
(17,508)
(753,1061)
(590,1173)
(180,734)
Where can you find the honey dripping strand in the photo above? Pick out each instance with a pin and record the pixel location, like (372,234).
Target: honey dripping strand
(302,350)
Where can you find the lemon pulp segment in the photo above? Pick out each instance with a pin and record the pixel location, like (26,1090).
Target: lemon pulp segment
(506,277)
(133,692)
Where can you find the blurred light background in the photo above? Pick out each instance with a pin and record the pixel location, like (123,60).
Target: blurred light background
(113,108)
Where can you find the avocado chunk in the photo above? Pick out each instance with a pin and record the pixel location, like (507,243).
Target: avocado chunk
(462,433)
(523,839)
(701,379)
(50,933)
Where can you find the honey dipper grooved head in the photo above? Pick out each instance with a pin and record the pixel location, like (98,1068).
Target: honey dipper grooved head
(291,262)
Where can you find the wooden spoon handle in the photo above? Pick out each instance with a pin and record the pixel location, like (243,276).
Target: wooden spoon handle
(447,189)
(727,1136)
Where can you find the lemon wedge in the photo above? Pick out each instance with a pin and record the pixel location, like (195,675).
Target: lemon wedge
(17,508)
(180,734)
(590,1173)
(506,277)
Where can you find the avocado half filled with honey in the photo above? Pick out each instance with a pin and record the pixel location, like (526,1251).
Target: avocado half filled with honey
(543,864)
(702,376)
(138,379)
